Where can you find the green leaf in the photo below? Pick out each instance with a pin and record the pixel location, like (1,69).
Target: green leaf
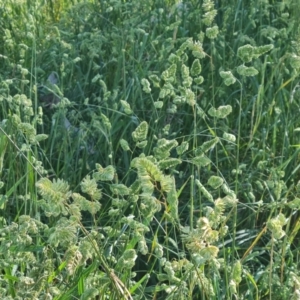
(215,181)
(165,145)
(183,147)
(149,174)
(185,71)
(173,58)
(56,191)
(209,252)
(204,191)
(64,233)
(229,79)
(89,186)
(221,112)
(294,204)
(230,200)
(209,17)
(140,133)
(124,144)
(258,51)
(237,272)
(163,148)
(104,174)
(201,161)
(155,80)
(86,205)
(172,201)
(142,144)
(207,146)
(126,107)
(275,226)
(199,80)
(246,53)
(166,90)
(158,104)
(146,86)
(169,163)
(119,189)
(246,71)
(229,137)
(40,137)
(212,32)
(106,122)
(187,82)
(169,75)
(190,97)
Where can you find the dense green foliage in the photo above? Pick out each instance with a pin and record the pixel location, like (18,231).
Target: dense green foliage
(149,149)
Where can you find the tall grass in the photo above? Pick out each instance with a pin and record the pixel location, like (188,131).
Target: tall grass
(149,150)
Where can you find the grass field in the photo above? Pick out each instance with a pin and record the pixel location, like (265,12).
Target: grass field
(149,149)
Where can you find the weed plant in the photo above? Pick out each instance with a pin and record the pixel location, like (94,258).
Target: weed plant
(149,149)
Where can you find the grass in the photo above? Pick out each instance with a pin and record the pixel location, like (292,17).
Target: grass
(149,150)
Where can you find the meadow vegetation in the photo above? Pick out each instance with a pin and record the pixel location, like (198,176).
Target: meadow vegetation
(149,149)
